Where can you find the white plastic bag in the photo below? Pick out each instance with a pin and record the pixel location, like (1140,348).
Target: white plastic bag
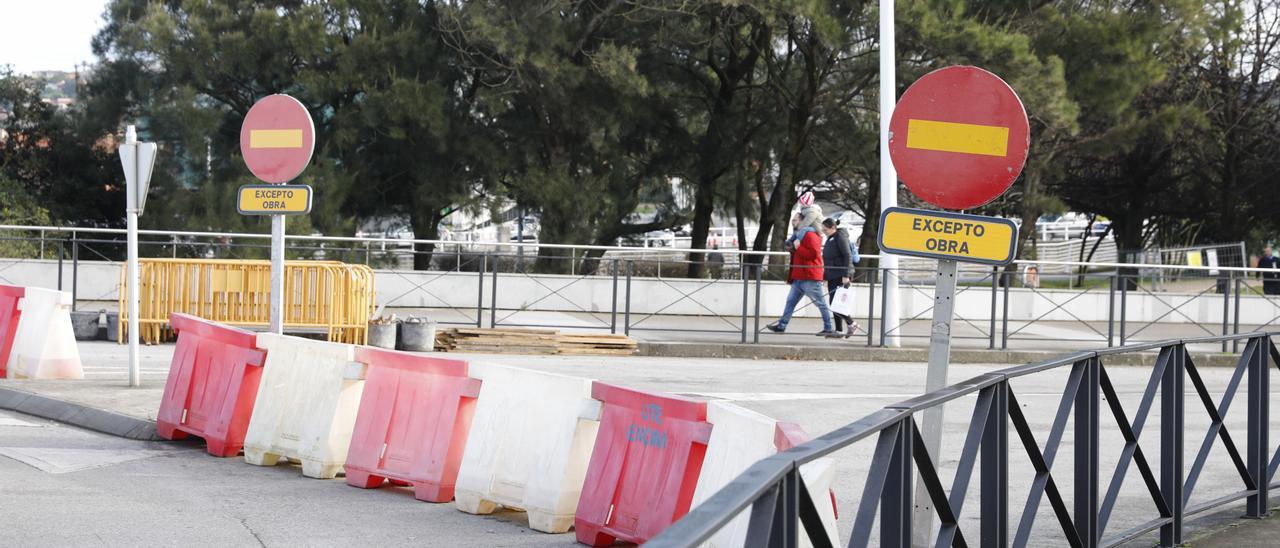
(842,302)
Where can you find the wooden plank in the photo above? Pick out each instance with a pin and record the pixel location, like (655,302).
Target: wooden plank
(533,341)
(506,350)
(505,330)
(587,352)
(595,336)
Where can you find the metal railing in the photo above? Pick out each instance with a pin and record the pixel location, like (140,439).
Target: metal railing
(621,267)
(778,501)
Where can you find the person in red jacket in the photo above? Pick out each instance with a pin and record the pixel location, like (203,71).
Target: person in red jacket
(806,279)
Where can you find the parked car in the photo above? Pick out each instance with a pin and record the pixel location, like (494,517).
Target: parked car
(660,238)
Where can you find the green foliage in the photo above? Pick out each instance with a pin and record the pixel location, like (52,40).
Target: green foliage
(17,207)
(1160,115)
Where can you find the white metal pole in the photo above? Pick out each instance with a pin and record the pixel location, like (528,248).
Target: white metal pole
(131,225)
(277,274)
(888,175)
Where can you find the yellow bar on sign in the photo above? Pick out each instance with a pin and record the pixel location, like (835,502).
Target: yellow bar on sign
(953,137)
(275,138)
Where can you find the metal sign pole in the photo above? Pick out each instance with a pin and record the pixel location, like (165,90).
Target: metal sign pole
(137,160)
(277,275)
(944,294)
(888,174)
(131,225)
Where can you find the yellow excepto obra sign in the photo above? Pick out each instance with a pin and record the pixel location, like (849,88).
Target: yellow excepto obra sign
(274,200)
(943,235)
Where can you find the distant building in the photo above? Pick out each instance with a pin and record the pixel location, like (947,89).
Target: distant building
(61,103)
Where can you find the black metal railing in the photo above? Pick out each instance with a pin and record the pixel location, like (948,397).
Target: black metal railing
(778,501)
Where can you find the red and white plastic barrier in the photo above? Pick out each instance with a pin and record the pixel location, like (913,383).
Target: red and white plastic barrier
(44,345)
(818,476)
(212,385)
(529,446)
(306,405)
(644,467)
(741,437)
(413,422)
(10,313)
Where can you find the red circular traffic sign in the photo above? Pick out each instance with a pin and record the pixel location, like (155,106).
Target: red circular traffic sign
(277,138)
(959,137)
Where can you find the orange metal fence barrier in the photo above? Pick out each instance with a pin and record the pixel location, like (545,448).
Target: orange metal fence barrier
(331,296)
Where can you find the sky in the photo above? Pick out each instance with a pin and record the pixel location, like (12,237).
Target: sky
(48,34)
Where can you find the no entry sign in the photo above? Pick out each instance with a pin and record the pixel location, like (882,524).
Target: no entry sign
(277,139)
(959,137)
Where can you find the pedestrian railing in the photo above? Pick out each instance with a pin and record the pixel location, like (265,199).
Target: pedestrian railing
(1173,309)
(1058,302)
(691,295)
(468,283)
(777,501)
(553,289)
(910,279)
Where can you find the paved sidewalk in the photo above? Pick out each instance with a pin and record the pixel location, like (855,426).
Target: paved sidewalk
(106,380)
(63,486)
(107,394)
(1241,533)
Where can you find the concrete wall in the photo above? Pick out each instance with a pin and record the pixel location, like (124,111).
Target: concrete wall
(99,285)
(98,280)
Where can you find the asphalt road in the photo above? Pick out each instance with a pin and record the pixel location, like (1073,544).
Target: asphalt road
(62,486)
(174,494)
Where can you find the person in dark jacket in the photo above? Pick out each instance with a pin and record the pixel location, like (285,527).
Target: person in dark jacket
(1270,280)
(715,262)
(837,262)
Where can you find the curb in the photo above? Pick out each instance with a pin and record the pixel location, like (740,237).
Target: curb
(877,354)
(75,414)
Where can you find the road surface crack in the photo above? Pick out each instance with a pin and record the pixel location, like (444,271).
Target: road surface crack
(244,523)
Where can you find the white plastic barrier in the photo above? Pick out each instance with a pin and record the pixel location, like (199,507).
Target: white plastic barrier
(739,438)
(44,346)
(306,405)
(529,445)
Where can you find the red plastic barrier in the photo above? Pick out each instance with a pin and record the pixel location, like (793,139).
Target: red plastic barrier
(213,382)
(644,466)
(9,316)
(412,424)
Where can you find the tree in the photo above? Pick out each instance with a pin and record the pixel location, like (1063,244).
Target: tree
(51,157)
(816,79)
(586,133)
(1135,110)
(403,125)
(999,38)
(712,62)
(1234,161)
(588,113)
(394,133)
(17,207)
